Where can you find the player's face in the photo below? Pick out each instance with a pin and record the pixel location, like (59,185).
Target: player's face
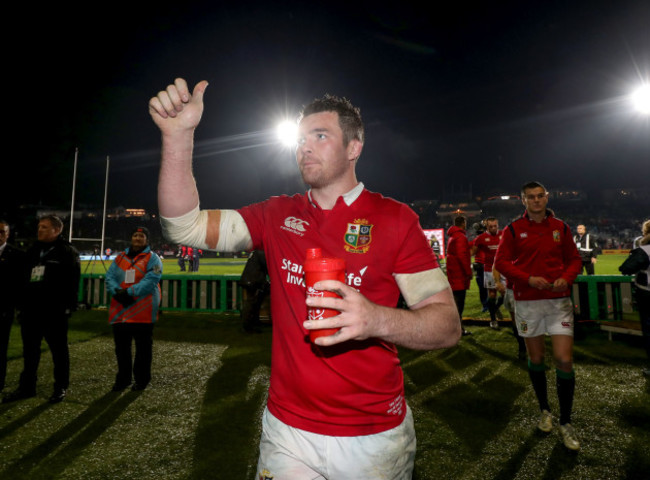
(581,229)
(492,227)
(535,200)
(321,156)
(47,232)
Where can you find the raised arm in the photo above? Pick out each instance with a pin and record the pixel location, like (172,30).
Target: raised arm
(177,113)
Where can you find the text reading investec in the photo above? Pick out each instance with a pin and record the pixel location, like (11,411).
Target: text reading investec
(295,275)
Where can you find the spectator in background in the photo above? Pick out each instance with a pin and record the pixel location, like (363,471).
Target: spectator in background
(459,264)
(181,254)
(189,256)
(13,269)
(587,247)
(255,282)
(636,243)
(435,246)
(196,258)
(133,282)
(638,264)
(46,305)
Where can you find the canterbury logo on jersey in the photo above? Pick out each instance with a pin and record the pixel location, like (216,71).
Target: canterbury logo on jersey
(295,225)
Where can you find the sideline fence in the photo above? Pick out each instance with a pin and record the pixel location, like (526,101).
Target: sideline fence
(608,299)
(182,293)
(603,298)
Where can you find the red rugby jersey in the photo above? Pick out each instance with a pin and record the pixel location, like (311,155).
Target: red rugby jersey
(486,245)
(545,249)
(354,388)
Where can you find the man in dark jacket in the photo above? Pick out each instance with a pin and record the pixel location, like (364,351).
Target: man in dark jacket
(254,281)
(638,264)
(48,301)
(12,282)
(181,254)
(459,264)
(588,249)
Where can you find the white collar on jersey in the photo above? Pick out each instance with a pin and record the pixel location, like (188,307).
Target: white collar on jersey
(349,197)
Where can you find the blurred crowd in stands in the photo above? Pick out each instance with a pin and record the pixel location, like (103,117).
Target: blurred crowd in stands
(615,222)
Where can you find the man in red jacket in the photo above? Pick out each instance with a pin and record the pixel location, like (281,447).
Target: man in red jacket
(537,253)
(459,264)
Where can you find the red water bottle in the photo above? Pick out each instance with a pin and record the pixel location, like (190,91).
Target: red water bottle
(319,268)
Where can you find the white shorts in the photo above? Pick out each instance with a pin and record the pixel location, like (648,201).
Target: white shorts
(537,317)
(509,300)
(291,453)
(488,281)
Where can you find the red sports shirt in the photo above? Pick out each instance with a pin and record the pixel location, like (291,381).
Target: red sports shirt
(486,245)
(544,249)
(354,388)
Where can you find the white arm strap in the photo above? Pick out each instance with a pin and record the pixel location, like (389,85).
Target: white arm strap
(191,229)
(188,229)
(233,232)
(415,287)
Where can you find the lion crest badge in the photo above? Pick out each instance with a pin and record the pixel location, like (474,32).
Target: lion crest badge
(358,236)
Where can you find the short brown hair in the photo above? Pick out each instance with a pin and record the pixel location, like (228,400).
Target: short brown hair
(349,116)
(54,220)
(530,186)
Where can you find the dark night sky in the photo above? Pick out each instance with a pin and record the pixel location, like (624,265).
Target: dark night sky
(487,94)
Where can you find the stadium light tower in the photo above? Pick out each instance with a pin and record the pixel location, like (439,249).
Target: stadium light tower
(641,99)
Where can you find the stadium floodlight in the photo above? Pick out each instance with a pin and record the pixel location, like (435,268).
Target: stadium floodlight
(641,99)
(287,133)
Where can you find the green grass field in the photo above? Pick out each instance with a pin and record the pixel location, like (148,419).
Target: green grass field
(607,265)
(208,266)
(475,412)
(474,409)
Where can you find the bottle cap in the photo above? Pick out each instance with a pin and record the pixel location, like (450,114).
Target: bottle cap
(315,262)
(314,253)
